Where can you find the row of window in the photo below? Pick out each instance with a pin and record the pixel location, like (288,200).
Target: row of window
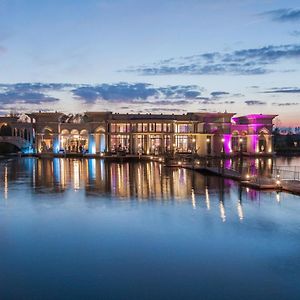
(151,127)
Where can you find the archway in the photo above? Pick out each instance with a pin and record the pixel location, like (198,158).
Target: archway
(47,140)
(74,141)
(6,148)
(5,130)
(262,140)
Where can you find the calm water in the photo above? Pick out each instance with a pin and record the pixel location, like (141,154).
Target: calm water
(85,229)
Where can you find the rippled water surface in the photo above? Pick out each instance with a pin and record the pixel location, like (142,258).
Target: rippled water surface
(88,229)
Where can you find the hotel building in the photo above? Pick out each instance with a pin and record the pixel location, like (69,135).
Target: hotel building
(204,134)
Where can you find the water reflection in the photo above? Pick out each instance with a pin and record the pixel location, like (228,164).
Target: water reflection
(123,180)
(141,181)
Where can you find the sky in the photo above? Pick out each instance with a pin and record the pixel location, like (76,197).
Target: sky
(171,56)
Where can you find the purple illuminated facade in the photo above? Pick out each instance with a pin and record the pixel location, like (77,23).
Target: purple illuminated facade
(100,133)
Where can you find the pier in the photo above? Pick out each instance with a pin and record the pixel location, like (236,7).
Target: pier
(281,178)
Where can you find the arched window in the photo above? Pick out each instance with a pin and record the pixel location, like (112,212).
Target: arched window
(74,132)
(84,132)
(65,132)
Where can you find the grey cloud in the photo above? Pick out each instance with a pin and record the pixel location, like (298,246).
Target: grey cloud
(255,102)
(253,61)
(218,93)
(156,109)
(286,90)
(24,93)
(285,104)
(284,15)
(134,92)
(295,33)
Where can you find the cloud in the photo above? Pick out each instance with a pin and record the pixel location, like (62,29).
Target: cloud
(284,15)
(127,94)
(285,104)
(295,33)
(254,61)
(25,93)
(218,93)
(135,93)
(283,90)
(255,102)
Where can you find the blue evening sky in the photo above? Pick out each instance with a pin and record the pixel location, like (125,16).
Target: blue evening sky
(151,56)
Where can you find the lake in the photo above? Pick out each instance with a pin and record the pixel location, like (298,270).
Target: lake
(90,229)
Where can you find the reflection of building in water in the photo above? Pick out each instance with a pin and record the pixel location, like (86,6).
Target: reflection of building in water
(143,181)
(98,132)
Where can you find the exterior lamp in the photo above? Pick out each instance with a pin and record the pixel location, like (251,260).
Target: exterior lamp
(223,140)
(241,140)
(179,163)
(207,140)
(194,140)
(278,182)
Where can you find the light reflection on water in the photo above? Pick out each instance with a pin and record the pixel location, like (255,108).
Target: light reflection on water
(82,229)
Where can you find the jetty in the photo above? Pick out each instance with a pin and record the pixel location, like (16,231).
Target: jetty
(280,179)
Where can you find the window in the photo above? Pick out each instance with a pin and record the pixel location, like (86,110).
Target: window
(184,128)
(167,127)
(120,127)
(152,127)
(139,127)
(145,127)
(158,127)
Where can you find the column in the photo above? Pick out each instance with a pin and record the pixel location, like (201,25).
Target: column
(55,143)
(92,146)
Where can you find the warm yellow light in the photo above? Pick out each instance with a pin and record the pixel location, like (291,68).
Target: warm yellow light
(207,140)
(179,163)
(241,140)
(278,182)
(194,140)
(223,140)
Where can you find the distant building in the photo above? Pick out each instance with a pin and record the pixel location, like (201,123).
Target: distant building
(149,134)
